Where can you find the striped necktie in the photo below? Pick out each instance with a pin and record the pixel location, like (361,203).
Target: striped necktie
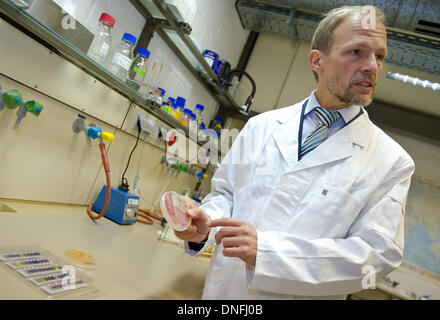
(326,118)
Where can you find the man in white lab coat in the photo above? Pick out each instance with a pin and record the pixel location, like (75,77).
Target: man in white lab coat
(309,203)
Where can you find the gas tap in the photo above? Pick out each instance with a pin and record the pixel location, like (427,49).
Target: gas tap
(91,131)
(13,99)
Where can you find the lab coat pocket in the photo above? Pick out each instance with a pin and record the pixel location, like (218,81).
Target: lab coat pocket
(326,212)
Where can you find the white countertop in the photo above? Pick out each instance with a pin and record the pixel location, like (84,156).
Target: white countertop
(131,263)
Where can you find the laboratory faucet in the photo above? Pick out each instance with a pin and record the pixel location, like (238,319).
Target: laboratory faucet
(13,99)
(91,131)
(225,83)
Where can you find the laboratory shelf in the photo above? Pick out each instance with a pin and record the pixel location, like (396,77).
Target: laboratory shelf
(57,44)
(175,34)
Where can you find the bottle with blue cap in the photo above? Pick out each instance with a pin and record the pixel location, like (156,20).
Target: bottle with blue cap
(121,57)
(186,116)
(216,124)
(138,69)
(157,95)
(180,106)
(201,132)
(169,106)
(172,111)
(198,112)
(211,59)
(165,106)
(193,125)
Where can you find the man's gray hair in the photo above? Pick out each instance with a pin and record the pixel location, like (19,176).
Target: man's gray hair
(323,37)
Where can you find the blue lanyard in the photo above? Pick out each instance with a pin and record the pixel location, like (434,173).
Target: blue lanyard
(300,133)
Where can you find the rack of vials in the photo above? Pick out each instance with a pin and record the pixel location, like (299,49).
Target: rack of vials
(46,273)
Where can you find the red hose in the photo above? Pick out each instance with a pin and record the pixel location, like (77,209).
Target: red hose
(147,220)
(147,215)
(106,165)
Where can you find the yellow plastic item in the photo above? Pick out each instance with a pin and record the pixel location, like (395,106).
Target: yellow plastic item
(178,115)
(207,253)
(107,136)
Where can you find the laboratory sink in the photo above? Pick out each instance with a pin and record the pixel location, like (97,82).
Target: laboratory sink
(5,208)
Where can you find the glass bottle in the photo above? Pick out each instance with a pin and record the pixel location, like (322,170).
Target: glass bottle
(199,110)
(185,117)
(202,134)
(216,124)
(165,106)
(180,106)
(193,126)
(102,42)
(158,95)
(193,119)
(121,57)
(171,102)
(138,69)
(172,111)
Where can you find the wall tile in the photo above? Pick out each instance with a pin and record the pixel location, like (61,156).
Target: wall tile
(119,9)
(135,22)
(44,160)
(55,77)
(92,19)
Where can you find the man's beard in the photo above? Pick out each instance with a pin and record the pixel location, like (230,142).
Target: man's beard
(345,95)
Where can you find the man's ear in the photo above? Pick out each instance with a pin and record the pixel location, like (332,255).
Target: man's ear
(316,60)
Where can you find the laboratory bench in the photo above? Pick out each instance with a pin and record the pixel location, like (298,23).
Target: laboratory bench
(131,261)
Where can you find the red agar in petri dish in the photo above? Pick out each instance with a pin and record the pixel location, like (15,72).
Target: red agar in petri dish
(174,209)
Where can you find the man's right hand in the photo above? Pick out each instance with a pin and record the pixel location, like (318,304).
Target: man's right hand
(199,229)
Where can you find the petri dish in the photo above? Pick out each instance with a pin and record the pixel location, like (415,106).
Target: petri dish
(173,207)
(79,258)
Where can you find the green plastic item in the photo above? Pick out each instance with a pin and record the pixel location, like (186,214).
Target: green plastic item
(175,165)
(12,98)
(34,107)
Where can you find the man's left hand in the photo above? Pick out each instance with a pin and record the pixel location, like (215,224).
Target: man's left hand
(239,239)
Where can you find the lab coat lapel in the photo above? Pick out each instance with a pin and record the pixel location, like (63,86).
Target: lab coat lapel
(286,134)
(340,145)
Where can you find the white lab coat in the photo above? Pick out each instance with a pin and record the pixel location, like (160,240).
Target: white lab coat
(323,223)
